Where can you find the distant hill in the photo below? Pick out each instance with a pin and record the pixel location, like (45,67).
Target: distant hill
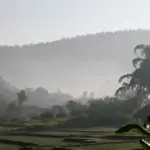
(38,97)
(75,64)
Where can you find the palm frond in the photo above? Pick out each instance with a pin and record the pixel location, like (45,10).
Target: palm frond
(130,127)
(125,86)
(145,144)
(126,76)
(119,90)
(144,50)
(139,47)
(136,61)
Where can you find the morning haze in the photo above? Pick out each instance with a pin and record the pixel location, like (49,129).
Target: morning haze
(72,72)
(92,62)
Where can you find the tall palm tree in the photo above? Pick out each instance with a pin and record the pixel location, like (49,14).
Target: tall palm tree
(139,79)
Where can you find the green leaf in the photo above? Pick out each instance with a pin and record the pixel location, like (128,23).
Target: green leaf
(130,127)
(145,144)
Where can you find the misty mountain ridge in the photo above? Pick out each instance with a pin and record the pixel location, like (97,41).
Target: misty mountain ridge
(38,97)
(83,63)
(6,85)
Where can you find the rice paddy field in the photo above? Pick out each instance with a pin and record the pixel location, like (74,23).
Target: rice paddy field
(75,139)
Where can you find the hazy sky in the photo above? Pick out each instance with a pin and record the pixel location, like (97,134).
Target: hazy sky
(25,21)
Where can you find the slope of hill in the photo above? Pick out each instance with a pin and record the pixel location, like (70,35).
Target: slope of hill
(73,65)
(7,91)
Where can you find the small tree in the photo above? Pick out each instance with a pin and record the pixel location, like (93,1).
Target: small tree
(46,115)
(21,97)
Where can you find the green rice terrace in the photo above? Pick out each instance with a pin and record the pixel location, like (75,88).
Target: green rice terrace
(19,137)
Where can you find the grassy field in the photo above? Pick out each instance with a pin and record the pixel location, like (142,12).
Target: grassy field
(87,139)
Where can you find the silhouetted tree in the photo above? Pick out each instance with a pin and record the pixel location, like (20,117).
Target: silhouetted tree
(75,108)
(21,97)
(139,79)
(46,115)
